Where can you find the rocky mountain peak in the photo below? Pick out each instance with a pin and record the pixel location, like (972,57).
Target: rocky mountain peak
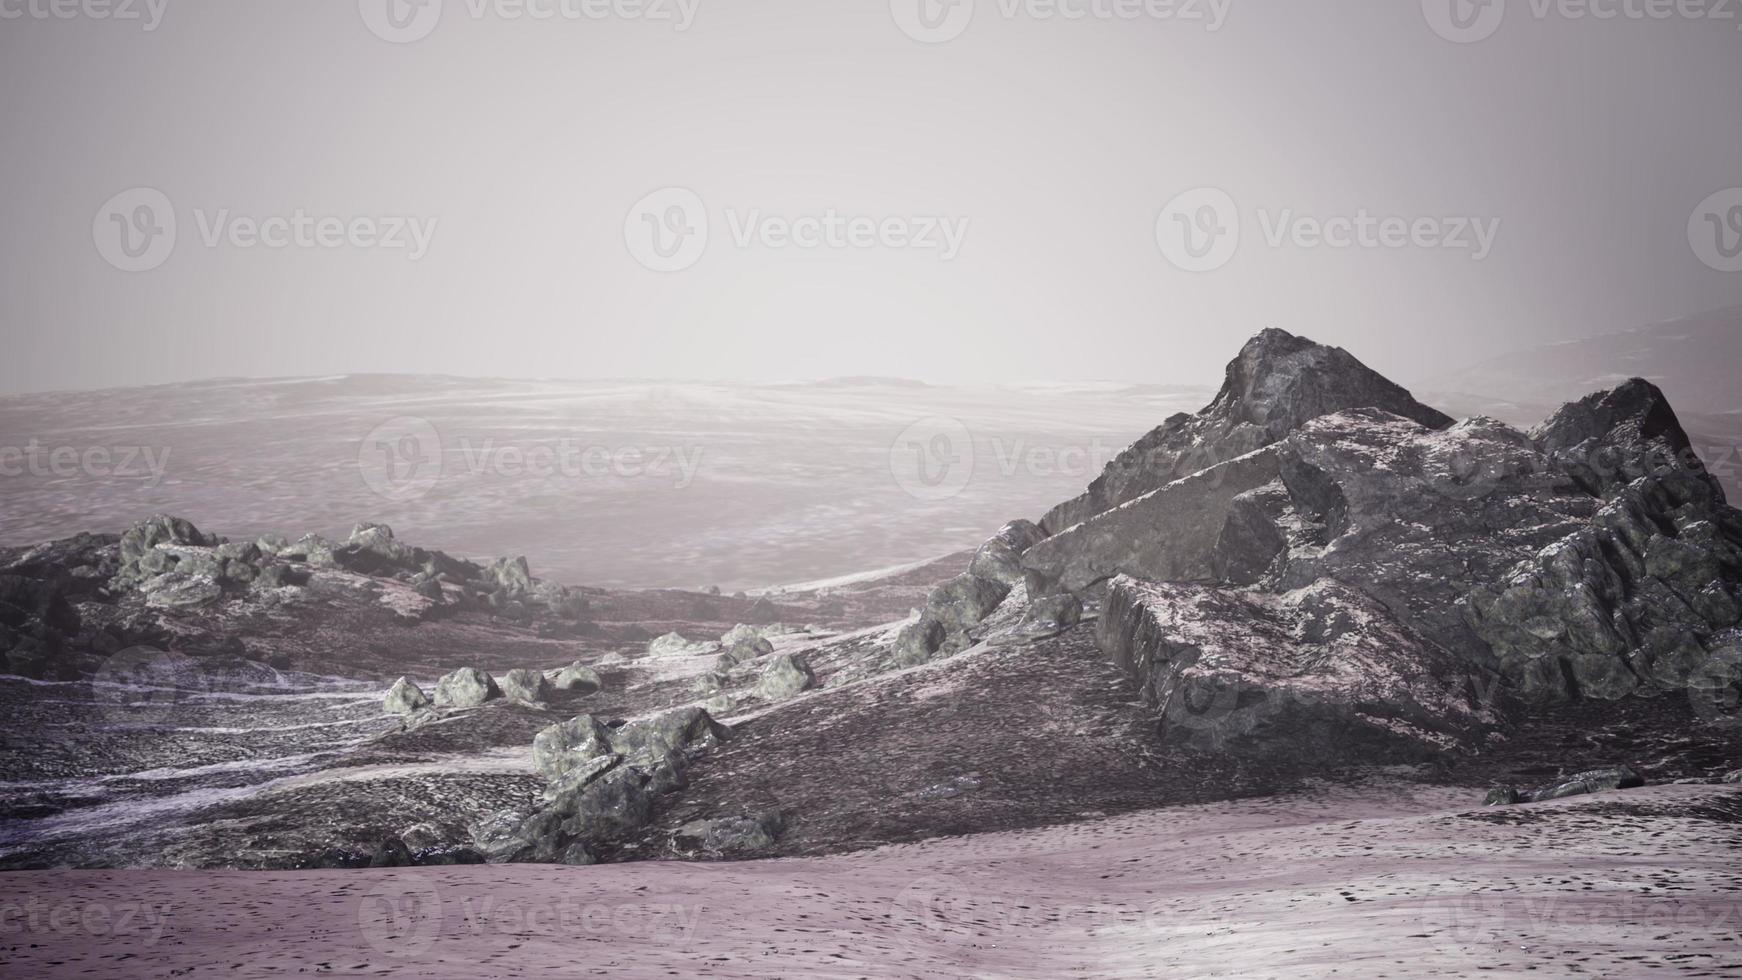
(1280,381)
(1277,383)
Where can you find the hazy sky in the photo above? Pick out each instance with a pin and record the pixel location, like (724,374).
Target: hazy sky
(521,150)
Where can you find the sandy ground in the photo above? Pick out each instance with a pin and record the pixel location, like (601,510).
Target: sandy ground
(1385,881)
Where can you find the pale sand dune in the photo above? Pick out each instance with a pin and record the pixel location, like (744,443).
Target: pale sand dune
(1390,881)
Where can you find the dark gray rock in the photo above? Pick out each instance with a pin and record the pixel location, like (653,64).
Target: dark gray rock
(406,699)
(965,601)
(679,730)
(466,688)
(732,835)
(578,679)
(1578,784)
(1313,675)
(525,685)
(786,677)
(566,745)
(1000,559)
(1611,438)
(919,642)
(1276,384)
(1168,534)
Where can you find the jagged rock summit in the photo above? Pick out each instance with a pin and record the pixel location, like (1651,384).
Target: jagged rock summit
(1277,383)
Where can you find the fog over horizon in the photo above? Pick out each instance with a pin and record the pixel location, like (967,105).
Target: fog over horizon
(466,189)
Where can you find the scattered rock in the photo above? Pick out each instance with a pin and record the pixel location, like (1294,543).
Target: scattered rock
(964,602)
(567,745)
(674,645)
(466,688)
(919,642)
(406,699)
(578,679)
(1579,784)
(788,676)
(525,685)
(732,835)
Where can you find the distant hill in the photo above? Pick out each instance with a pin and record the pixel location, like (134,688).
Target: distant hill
(1693,359)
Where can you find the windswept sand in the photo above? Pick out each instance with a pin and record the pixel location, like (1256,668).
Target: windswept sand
(1388,881)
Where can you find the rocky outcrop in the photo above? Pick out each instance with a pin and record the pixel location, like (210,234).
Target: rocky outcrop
(732,835)
(1314,674)
(603,784)
(1168,534)
(1276,384)
(1607,440)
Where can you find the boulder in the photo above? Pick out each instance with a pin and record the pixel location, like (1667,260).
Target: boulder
(578,679)
(1000,559)
(732,835)
(679,730)
(405,698)
(786,677)
(919,642)
(965,601)
(466,688)
(525,685)
(564,746)
(510,575)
